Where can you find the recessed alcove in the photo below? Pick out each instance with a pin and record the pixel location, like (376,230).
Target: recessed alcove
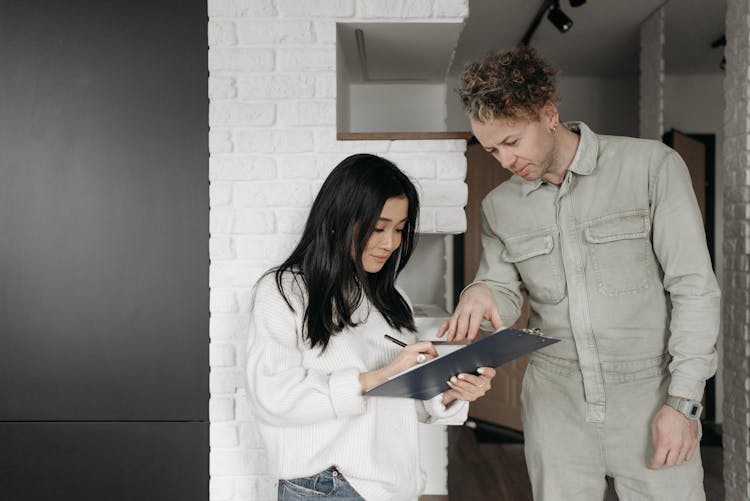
(391,77)
(428,281)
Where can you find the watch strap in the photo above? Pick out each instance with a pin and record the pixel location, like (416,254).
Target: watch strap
(691,409)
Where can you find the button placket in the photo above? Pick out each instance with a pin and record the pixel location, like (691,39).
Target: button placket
(578,307)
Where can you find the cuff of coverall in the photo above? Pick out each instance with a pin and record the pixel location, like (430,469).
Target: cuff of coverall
(685,387)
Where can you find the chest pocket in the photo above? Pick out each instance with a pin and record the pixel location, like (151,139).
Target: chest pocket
(621,254)
(539,263)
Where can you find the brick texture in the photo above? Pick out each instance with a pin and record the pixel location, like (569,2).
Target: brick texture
(736,247)
(272,139)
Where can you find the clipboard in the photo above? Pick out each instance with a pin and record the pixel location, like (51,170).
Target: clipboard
(424,381)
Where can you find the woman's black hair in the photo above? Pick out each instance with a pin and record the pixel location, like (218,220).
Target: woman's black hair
(342,218)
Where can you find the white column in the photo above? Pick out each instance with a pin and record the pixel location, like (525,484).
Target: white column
(651,102)
(736,299)
(272,139)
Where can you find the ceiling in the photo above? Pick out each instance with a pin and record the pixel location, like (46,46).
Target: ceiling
(604,39)
(398,52)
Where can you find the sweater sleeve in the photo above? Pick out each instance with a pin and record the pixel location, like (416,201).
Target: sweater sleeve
(433,411)
(281,390)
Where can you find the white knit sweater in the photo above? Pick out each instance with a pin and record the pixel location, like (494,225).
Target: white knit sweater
(310,410)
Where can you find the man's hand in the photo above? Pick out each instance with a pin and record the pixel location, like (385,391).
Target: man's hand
(476,304)
(675,438)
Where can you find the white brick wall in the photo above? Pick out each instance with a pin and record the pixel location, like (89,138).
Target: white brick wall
(272,140)
(736,299)
(651,102)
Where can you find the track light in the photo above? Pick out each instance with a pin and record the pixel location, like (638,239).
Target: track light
(554,14)
(721,42)
(558,18)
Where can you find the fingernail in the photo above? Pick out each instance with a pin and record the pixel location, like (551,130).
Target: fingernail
(461,376)
(453,379)
(480,370)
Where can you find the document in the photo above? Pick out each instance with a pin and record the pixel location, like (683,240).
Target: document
(426,380)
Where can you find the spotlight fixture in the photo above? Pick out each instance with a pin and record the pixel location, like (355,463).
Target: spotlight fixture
(721,42)
(558,18)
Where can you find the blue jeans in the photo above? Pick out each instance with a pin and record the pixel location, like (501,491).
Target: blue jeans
(328,484)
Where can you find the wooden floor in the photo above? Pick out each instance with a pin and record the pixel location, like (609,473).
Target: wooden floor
(497,471)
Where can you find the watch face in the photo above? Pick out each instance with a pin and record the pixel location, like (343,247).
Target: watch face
(694,410)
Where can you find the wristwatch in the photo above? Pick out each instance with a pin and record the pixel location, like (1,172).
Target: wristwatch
(691,409)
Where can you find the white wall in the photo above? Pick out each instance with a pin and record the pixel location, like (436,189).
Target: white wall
(272,141)
(694,104)
(607,105)
(396,107)
(455,119)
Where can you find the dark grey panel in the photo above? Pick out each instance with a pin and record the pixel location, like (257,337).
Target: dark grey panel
(103,210)
(104,461)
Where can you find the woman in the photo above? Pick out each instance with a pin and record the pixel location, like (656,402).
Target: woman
(317,344)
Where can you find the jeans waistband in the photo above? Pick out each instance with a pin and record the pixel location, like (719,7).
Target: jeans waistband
(613,371)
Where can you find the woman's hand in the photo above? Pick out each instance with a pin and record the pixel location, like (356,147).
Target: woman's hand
(468,386)
(411,355)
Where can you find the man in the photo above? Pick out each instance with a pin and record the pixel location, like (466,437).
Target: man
(605,235)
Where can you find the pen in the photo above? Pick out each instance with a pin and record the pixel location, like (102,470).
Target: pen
(398,342)
(420,357)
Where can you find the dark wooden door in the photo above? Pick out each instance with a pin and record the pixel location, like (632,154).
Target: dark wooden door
(693,152)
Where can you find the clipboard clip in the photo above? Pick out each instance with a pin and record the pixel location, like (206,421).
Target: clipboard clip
(535,332)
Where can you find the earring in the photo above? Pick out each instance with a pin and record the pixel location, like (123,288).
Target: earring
(553,129)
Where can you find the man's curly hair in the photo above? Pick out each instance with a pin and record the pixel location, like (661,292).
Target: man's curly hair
(507,84)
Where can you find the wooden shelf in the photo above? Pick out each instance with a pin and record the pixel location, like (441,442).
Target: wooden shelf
(401,136)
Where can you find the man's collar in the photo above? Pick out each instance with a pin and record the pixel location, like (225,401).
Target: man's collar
(584,161)
(529,186)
